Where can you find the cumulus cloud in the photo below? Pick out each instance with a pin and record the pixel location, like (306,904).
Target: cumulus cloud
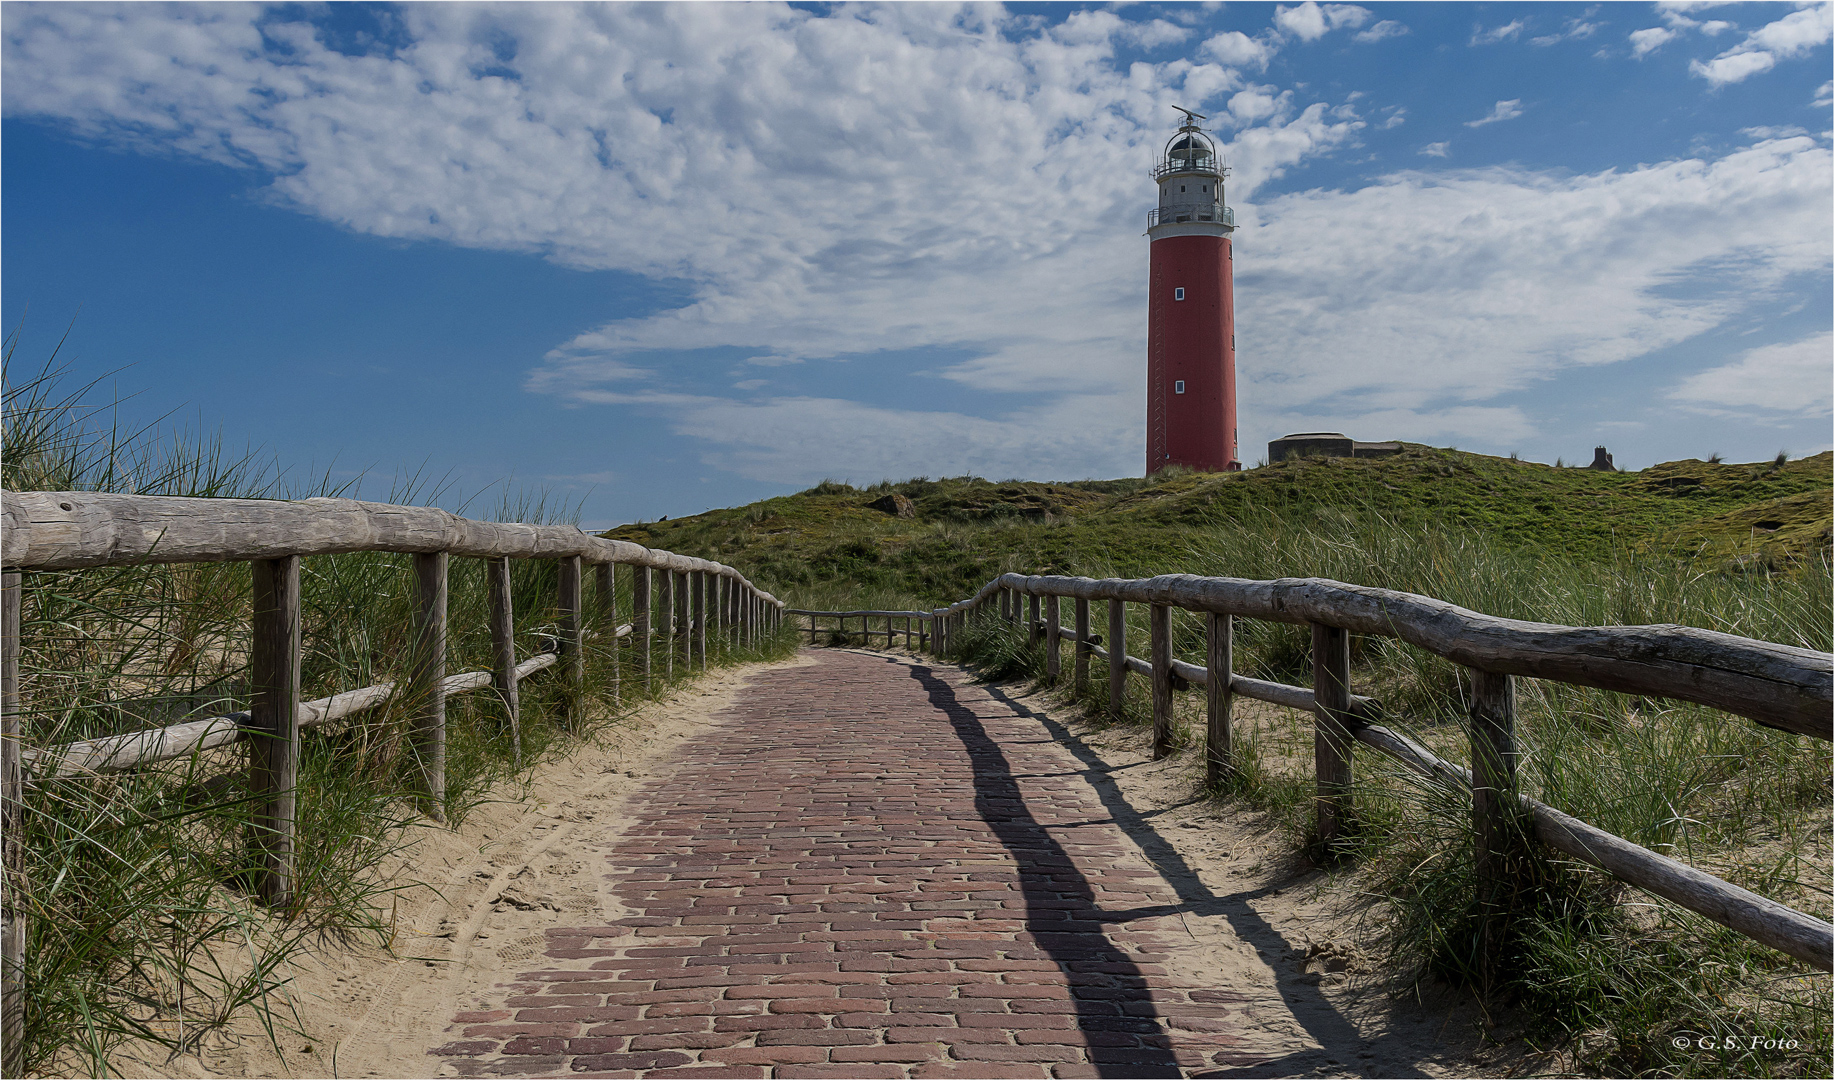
(1312,20)
(1236,49)
(1259,103)
(1503,110)
(1789,380)
(1436,149)
(1792,36)
(1155,34)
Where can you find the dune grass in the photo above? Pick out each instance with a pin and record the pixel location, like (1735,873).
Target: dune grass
(140,926)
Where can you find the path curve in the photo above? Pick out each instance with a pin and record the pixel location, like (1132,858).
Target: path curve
(869,867)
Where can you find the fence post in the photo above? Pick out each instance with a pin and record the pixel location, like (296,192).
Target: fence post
(273,754)
(607,578)
(429,670)
(1034,631)
(1331,736)
(1079,667)
(640,613)
(716,613)
(699,618)
(573,634)
(1159,622)
(1219,660)
(734,607)
(1117,658)
(665,620)
(1053,640)
(503,649)
(1494,809)
(12,836)
(684,621)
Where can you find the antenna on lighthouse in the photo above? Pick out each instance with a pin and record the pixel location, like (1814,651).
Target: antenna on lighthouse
(1190,118)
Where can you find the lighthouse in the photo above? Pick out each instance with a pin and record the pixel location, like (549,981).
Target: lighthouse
(1190,321)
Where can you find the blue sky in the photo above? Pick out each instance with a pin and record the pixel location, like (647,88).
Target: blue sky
(661,258)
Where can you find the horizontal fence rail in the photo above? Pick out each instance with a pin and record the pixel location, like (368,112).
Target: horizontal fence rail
(681,601)
(71,530)
(1778,686)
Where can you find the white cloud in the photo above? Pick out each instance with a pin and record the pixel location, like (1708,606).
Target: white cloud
(1574,30)
(1155,34)
(1506,32)
(1430,291)
(1792,379)
(1397,116)
(1503,110)
(1436,149)
(1387,28)
(1311,20)
(1236,49)
(801,439)
(1824,95)
(1796,33)
(1792,36)
(1258,103)
(1733,67)
(1644,42)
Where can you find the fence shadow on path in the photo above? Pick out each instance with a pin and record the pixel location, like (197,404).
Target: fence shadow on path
(1061,914)
(1341,1046)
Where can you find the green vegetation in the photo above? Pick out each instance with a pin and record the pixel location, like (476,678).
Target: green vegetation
(827,541)
(1608,974)
(139,924)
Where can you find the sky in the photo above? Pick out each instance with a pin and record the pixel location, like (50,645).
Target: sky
(660,258)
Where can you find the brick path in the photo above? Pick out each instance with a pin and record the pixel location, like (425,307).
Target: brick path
(868,868)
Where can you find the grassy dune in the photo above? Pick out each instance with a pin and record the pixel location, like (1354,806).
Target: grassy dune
(965,530)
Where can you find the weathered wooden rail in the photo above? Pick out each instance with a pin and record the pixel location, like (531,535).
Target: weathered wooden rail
(679,599)
(1777,686)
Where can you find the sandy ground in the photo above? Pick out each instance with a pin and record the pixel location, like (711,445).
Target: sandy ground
(1257,916)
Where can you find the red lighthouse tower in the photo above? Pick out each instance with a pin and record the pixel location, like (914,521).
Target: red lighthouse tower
(1190,324)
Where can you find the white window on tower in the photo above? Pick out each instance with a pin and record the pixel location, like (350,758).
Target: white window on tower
(1178,387)
(1178,294)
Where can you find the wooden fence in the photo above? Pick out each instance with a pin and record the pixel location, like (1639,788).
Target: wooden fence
(1778,686)
(678,599)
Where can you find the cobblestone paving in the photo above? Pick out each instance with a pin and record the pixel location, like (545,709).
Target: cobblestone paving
(867,868)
